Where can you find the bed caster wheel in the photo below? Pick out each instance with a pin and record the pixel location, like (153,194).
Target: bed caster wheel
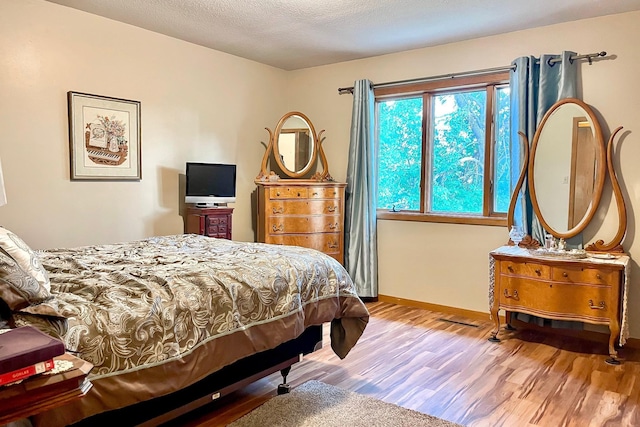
(283,389)
(493,338)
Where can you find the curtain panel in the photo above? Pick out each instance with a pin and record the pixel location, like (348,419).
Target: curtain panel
(536,84)
(361,253)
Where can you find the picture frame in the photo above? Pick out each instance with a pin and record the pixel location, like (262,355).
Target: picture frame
(104,138)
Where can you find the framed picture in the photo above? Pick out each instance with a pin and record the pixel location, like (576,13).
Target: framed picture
(104,138)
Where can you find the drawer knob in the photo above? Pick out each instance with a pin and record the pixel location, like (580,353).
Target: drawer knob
(598,277)
(332,208)
(600,306)
(538,272)
(510,268)
(278,210)
(514,296)
(277,228)
(332,245)
(565,274)
(298,194)
(333,226)
(315,193)
(277,194)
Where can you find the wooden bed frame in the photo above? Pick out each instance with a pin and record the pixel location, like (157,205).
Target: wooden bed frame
(218,384)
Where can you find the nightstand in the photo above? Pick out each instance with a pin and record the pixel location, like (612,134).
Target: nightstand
(211,222)
(43,392)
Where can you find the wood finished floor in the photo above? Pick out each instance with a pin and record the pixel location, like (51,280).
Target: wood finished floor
(415,359)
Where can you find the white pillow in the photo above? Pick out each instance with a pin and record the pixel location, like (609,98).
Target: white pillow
(25,257)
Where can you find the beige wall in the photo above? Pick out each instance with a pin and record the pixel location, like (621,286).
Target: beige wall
(447,264)
(197,105)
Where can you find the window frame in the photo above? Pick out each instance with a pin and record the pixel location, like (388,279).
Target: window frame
(427,90)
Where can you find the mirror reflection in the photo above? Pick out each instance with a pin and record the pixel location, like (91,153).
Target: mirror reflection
(295,144)
(567,168)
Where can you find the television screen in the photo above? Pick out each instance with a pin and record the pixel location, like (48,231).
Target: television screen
(210,183)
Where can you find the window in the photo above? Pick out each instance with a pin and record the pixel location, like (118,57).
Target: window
(444,151)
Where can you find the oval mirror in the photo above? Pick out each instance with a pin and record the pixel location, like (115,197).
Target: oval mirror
(567,168)
(295,144)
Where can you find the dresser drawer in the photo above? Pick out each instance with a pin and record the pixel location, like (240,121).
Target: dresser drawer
(288,193)
(324,193)
(303,207)
(328,243)
(216,220)
(585,275)
(303,224)
(557,300)
(525,269)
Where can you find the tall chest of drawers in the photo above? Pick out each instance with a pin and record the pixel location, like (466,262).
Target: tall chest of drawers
(303,213)
(588,290)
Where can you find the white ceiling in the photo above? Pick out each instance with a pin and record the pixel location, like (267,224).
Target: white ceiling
(294,34)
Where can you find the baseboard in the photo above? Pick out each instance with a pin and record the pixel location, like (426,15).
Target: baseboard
(469,314)
(478,315)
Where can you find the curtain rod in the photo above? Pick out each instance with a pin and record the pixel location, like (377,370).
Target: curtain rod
(588,56)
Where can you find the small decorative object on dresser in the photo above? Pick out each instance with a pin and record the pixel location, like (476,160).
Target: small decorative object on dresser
(212,222)
(307,208)
(556,281)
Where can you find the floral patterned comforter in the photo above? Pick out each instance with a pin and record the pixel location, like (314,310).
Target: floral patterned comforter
(142,310)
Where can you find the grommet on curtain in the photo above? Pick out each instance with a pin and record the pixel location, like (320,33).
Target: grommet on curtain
(549,63)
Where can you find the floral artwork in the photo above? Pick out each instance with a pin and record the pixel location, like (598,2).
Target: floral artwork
(106,140)
(104,137)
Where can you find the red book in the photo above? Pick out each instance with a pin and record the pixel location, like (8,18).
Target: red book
(23,373)
(25,346)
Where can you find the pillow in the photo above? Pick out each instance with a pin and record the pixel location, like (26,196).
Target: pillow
(17,288)
(24,256)
(54,326)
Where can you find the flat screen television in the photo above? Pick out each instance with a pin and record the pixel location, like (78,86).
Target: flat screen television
(210,184)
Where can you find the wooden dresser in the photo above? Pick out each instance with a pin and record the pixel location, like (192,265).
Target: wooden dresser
(588,290)
(303,213)
(211,222)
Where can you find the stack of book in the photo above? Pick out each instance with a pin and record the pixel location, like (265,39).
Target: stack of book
(26,351)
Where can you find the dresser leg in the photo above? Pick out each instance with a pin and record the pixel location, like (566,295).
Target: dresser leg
(612,361)
(508,316)
(614,329)
(496,320)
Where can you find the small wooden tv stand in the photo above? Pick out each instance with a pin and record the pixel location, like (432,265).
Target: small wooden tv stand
(211,222)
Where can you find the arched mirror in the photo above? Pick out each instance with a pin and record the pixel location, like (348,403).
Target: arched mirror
(567,168)
(295,147)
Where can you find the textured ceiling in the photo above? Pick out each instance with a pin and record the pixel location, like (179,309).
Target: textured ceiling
(294,34)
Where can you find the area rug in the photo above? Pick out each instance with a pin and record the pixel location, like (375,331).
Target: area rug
(315,404)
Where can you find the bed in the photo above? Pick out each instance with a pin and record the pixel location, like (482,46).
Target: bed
(164,315)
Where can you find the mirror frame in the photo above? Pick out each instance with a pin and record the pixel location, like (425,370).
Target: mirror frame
(317,153)
(615,245)
(276,145)
(600,172)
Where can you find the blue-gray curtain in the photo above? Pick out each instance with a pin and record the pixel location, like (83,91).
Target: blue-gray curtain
(536,84)
(361,253)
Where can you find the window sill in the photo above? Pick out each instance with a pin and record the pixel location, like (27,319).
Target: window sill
(500,221)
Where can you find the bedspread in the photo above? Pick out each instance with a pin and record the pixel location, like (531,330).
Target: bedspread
(143,311)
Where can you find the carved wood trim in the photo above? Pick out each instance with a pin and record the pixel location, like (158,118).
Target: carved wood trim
(615,244)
